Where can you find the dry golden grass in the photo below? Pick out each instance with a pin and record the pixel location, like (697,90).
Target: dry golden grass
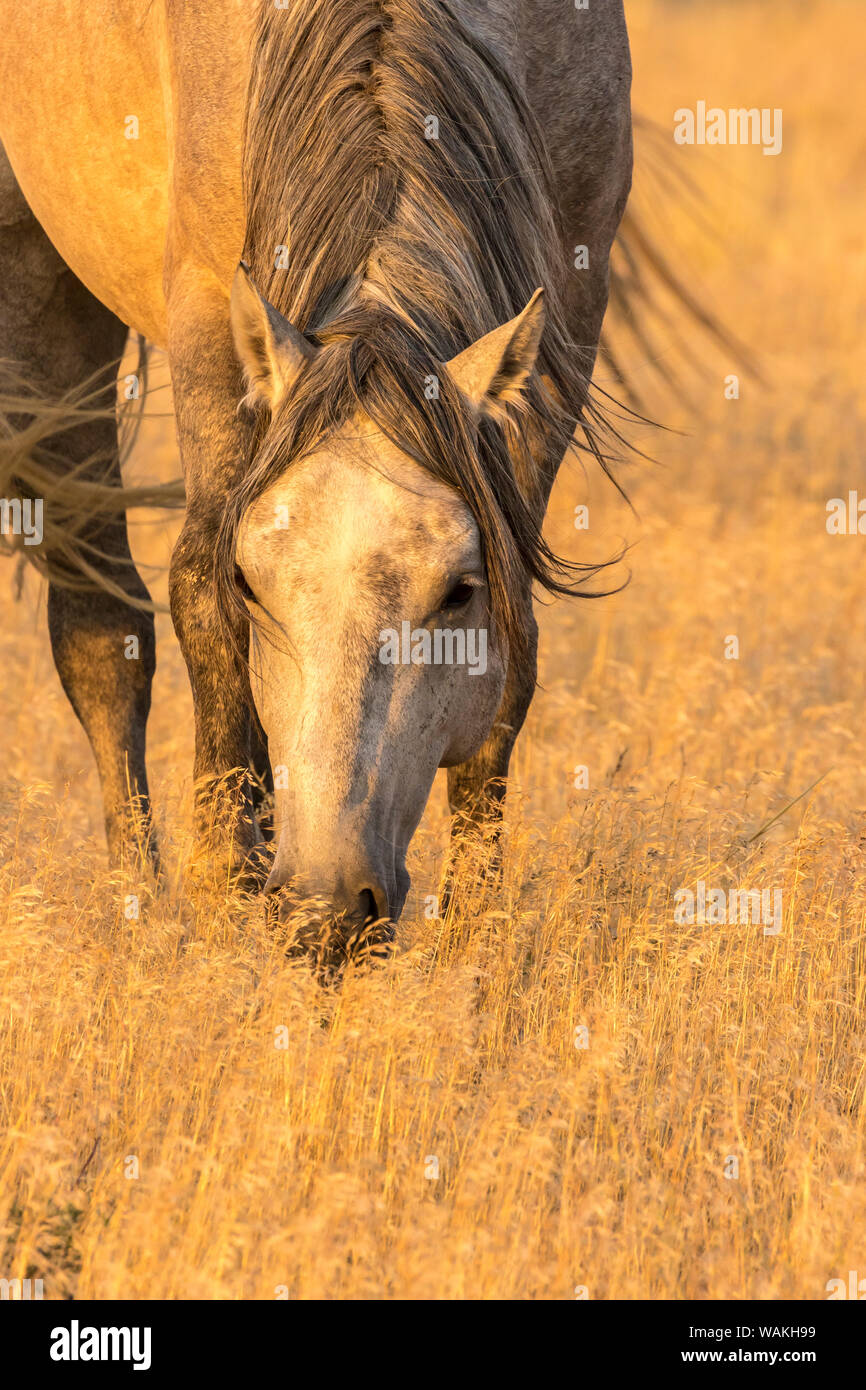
(308,1167)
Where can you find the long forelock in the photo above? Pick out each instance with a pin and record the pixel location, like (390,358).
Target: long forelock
(388,154)
(375,367)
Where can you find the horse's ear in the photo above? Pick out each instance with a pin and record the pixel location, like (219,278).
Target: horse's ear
(494,370)
(270,349)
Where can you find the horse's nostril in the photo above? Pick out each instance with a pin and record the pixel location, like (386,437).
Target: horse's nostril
(361,905)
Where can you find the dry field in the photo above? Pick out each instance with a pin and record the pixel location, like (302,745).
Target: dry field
(184,1115)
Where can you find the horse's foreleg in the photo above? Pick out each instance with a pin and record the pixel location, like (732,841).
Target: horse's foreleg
(476,788)
(105,655)
(214,444)
(226,830)
(105,649)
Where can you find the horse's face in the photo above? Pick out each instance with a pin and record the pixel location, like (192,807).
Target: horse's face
(374,659)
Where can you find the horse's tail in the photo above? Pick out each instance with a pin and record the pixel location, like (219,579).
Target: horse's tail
(651,306)
(51,512)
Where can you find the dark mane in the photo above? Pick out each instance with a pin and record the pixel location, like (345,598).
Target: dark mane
(401,250)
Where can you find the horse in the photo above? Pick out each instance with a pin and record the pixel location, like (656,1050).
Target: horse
(373,240)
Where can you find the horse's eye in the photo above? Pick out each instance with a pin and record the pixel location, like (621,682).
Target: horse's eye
(243,587)
(460,595)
